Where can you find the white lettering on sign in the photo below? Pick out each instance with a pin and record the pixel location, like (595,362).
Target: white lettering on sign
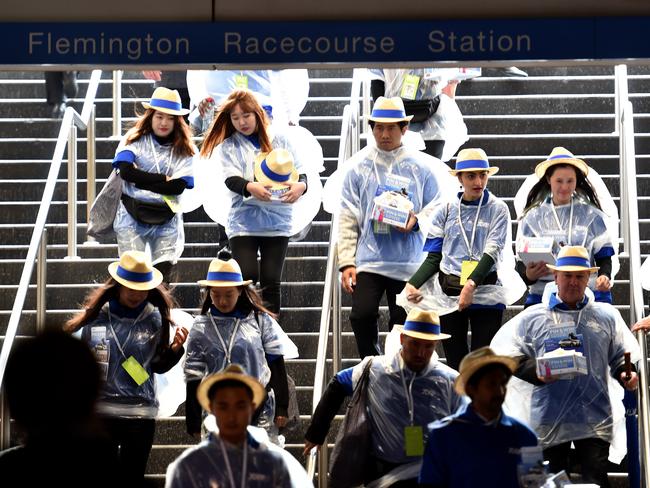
(235,43)
(479,42)
(134,47)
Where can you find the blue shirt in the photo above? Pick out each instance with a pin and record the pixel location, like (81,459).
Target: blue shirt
(464,451)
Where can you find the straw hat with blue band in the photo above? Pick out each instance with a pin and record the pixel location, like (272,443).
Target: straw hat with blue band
(233,372)
(560,155)
(476,360)
(573,258)
(474,160)
(224,273)
(276,169)
(389,110)
(135,271)
(166,101)
(422,324)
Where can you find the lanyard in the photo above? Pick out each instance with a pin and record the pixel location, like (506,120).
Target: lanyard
(243,467)
(155,157)
(468,243)
(557,221)
(110,324)
(227,349)
(557,320)
(408,392)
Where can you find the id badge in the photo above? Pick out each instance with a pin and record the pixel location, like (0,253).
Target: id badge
(101,349)
(380,228)
(172,203)
(410,87)
(241,81)
(466,269)
(135,370)
(413,440)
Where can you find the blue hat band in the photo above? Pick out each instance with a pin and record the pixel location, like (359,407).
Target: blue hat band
(479,164)
(423,327)
(389,114)
(561,156)
(134,275)
(160,103)
(572,261)
(272,175)
(224,276)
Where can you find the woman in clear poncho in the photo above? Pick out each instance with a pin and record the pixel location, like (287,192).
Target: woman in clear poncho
(154,160)
(467,274)
(565,205)
(126,322)
(234,328)
(257,182)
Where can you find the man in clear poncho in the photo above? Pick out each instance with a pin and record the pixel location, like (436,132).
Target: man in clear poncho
(235,456)
(429,95)
(406,391)
(376,258)
(577,409)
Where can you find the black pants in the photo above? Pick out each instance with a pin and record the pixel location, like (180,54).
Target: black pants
(485,322)
(592,455)
(132,440)
(57,85)
(434,148)
(365,310)
(272,253)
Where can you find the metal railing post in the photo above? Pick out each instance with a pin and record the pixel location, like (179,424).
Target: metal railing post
(117,103)
(91,169)
(5,421)
(72,193)
(41,283)
(323,465)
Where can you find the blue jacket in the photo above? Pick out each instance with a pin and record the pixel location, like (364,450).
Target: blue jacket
(463,451)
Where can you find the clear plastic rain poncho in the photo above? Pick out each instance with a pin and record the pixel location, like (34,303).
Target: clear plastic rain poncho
(433,396)
(447,123)
(285,91)
(587,405)
(243,216)
(380,248)
(166,241)
(170,386)
(493,235)
(113,340)
(216,463)
(590,227)
(215,342)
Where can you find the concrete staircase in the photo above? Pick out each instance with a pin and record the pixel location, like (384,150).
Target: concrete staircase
(517,122)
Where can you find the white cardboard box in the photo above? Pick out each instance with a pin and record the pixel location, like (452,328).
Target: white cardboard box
(566,366)
(392,209)
(535,249)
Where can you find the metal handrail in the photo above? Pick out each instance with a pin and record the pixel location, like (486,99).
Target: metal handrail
(331,304)
(71,119)
(631,248)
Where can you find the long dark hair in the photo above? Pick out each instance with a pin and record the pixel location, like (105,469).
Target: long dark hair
(222,127)
(542,188)
(181,135)
(159,297)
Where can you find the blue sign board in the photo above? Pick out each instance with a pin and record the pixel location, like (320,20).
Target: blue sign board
(358,42)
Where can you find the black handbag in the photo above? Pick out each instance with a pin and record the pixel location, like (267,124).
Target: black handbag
(150,213)
(350,455)
(450,284)
(421,110)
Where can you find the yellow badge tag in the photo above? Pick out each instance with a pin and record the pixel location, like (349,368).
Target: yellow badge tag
(172,203)
(410,87)
(135,370)
(241,81)
(413,440)
(466,269)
